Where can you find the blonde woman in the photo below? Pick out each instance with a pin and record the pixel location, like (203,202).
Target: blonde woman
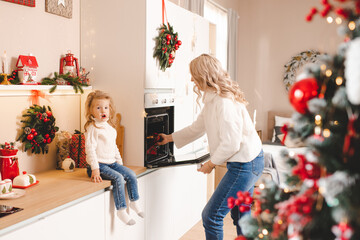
(103,156)
(232,140)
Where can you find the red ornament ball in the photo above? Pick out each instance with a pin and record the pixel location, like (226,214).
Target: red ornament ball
(301,92)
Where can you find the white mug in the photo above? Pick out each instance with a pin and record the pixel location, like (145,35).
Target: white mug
(2,187)
(8,185)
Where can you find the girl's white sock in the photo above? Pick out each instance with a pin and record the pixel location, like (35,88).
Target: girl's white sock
(135,206)
(122,214)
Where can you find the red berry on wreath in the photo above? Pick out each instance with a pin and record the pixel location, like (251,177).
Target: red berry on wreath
(49,113)
(168,37)
(46,135)
(35,134)
(171,56)
(49,140)
(176,47)
(308,18)
(44,140)
(30,137)
(33,130)
(179,42)
(168,42)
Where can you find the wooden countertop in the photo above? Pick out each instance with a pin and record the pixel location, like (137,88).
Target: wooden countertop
(55,188)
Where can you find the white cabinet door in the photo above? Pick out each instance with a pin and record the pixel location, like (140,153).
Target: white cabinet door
(175,198)
(115,228)
(85,220)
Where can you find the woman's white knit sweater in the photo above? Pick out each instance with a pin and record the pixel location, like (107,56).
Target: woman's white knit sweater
(100,145)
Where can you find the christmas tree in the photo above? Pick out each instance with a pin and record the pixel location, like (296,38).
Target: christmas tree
(323,198)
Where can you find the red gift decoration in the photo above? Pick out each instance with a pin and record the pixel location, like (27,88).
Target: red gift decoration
(77,150)
(9,166)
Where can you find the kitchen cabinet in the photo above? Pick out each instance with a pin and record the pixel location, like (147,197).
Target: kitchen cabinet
(175,198)
(84,220)
(114,227)
(172,199)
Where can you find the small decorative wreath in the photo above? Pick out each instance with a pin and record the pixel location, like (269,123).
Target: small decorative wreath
(297,61)
(166,45)
(39,129)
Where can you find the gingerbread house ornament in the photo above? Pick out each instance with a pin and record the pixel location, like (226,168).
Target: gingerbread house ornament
(27,69)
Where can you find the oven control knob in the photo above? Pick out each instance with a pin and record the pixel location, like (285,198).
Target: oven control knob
(163,101)
(155,101)
(172,100)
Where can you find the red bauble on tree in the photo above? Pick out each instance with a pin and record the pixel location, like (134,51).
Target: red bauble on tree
(301,92)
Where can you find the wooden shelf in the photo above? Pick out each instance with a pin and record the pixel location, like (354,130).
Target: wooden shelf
(24,90)
(37,87)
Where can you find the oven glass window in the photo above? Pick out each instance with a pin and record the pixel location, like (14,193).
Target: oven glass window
(154,125)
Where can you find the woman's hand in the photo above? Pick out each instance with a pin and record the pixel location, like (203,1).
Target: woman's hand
(164,139)
(95,175)
(207,167)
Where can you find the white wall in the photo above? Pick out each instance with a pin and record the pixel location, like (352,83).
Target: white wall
(47,36)
(270,33)
(113,46)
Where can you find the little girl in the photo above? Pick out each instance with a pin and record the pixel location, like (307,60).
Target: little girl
(103,155)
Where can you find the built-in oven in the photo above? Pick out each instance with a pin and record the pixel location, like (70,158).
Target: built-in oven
(159,118)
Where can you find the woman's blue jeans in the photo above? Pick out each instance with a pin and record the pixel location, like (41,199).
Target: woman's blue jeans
(239,177)
(119,175)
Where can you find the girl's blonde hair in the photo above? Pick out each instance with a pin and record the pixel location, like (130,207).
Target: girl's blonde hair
(208,74)
(97,94)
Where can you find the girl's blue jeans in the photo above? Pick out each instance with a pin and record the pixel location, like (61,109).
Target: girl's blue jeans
(239,177)
(119,175)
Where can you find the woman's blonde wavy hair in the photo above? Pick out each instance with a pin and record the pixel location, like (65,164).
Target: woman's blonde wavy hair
(97,94)
(208,74)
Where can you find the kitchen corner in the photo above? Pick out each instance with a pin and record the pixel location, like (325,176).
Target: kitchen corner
(56,190)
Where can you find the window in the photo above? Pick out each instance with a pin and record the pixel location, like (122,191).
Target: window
(218,16)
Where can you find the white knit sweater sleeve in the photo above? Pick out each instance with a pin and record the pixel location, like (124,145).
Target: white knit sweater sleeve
(117,155)
(90,147)
(190,133)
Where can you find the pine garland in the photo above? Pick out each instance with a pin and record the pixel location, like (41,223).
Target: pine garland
(166,45)
(73,81)
(38,129)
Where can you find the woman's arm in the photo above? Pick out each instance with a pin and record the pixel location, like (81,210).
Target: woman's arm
(190,133)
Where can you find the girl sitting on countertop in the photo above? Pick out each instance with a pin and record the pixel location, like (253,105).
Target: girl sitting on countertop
(104,157)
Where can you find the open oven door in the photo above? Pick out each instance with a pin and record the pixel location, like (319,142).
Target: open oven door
(172,161)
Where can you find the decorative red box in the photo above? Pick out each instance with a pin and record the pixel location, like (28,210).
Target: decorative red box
(77,150)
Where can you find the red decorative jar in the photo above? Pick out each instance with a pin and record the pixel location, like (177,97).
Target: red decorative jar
(9,166)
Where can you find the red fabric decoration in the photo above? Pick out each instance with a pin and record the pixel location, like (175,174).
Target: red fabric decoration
(77,150)
(34,97)
(306,170)
(347,149)
(284,130)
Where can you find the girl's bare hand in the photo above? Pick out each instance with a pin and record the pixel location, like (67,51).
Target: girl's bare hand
(95,176)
